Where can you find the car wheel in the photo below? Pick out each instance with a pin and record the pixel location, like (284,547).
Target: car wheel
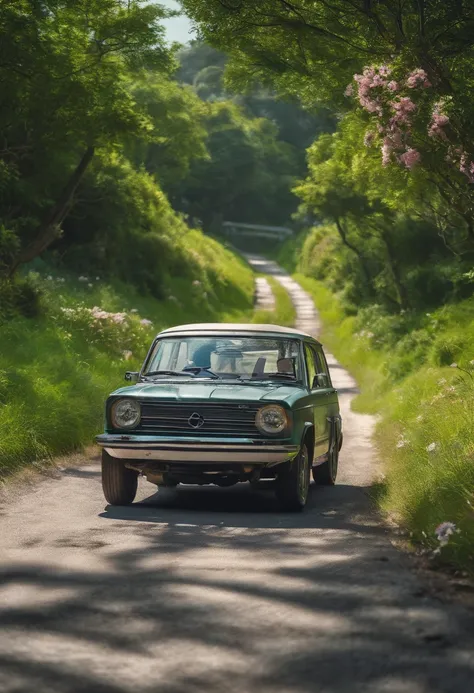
(118,482)
(292,483)
(325,474)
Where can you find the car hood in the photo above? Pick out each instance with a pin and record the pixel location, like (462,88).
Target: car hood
(211,391)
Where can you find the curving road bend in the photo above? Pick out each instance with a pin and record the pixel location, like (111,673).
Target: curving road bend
(214,590)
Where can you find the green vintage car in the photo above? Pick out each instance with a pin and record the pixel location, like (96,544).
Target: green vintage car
(222,404)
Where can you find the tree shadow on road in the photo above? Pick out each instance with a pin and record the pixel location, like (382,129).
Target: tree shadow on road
(216,591)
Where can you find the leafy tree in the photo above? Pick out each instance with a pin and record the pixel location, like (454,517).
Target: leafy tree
(319,44)
(179,134)
(64,73)
(389,231)
(313,49)
(247,176)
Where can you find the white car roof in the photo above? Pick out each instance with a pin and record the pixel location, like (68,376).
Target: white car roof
(233,329)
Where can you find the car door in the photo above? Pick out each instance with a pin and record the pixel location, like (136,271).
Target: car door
(320,395)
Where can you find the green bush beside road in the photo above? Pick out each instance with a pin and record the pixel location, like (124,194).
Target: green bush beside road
(417,374)
(57,368)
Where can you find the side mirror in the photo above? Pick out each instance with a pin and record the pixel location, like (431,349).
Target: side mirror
(132,377)
(320,380)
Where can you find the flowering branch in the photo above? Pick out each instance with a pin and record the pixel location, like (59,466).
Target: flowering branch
(399,108)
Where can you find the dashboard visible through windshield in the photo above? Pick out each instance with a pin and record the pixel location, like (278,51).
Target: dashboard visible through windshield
(244,358)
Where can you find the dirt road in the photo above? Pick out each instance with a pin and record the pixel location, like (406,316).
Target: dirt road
(214,590)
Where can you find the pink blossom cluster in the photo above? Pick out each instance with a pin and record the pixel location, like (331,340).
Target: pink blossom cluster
(410,158)
(394,141)
(466,166)
(99,314)
(460,158)
(371,78)
(418,78)
(402,109)
(439,120)
(383,97)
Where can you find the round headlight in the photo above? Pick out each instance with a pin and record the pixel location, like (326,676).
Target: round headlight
(125,413)
(271,419)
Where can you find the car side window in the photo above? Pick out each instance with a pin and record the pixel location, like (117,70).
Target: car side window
(322,363)
(310,364)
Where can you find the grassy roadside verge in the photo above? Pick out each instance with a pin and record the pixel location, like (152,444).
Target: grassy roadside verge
(56,369)
(417,374)
(284,313)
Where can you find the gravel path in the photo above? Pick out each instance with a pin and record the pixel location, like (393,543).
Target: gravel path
(214,590)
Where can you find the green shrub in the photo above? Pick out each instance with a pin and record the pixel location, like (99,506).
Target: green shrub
(57,369)
(421,384)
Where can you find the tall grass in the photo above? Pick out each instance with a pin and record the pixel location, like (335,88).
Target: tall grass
(417,373)
(56,370)
(284,313)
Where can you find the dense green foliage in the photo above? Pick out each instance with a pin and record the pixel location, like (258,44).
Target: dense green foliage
(412,102)
(104,144)
(421,382)
(256,147)
(106,154)
(57,369)
(65,74)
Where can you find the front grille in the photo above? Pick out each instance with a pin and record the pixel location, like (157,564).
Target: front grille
(175,418)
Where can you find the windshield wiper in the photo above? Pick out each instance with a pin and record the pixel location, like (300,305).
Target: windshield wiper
(192,372)
(270,376)
(151,373)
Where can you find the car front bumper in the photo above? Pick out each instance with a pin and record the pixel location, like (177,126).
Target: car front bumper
(210,450)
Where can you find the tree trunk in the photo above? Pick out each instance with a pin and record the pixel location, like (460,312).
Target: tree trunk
(395,272)
(356,251)
(50,228)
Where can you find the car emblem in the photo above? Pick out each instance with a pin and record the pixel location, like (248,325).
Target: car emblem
(196,420)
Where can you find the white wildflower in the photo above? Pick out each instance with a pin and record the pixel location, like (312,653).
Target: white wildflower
(145,322)
(441,382)
(90,285)
(134,310)
(403,442)
(431,447)
(49,278)
(454,365)
(83,279)
(127,355)
(444,531)
(196,282)
(97,279)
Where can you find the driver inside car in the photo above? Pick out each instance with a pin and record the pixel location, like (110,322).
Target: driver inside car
(202,355)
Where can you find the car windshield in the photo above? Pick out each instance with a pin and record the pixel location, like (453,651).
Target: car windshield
(245,358)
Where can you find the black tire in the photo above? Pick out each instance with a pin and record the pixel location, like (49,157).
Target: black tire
(118,483)
(325,474)
(292,482)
